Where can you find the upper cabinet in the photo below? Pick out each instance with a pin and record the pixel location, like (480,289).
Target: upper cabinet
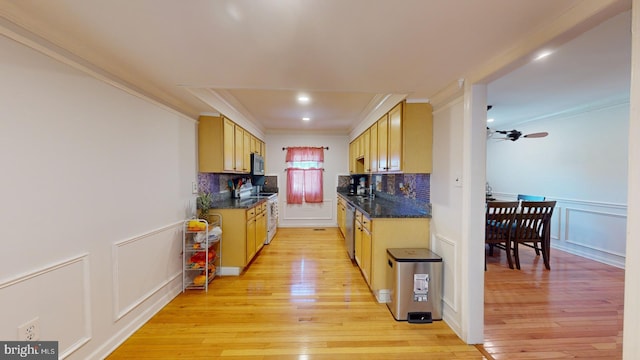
(224,146)
(400,141)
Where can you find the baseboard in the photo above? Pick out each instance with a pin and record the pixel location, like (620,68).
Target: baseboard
(136,323)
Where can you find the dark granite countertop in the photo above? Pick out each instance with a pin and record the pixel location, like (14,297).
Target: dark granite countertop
(230,203)
(382,207)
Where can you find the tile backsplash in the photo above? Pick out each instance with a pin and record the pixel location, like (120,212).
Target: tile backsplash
(216,183)
(409,186)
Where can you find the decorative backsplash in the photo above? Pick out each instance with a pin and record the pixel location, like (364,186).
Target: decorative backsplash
(409,186)
(216,183)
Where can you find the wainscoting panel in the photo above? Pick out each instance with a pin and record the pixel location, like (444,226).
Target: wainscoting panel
(591,229)
(447,249)
(59,296)
(308,214)
(602,226)
(143,265)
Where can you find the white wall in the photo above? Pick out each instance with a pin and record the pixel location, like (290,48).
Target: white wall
(631,346)
(446,202)
(95,182)
(336,162)
(582,165)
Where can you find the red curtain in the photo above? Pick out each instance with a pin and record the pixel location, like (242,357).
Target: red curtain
(304,175)
(313,186)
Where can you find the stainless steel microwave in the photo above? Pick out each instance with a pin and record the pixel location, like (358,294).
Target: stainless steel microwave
(257,164)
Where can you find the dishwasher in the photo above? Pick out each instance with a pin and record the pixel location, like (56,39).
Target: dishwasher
(349,231)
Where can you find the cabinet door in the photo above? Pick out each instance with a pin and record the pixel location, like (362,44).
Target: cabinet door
(373,148)
(254,145)
(352,157)
(357,249)
(261,230)
(383,129)
(251,239)
(366,140)
(228,145)
(238,149)
(366,255)
(394,151)
(246,152)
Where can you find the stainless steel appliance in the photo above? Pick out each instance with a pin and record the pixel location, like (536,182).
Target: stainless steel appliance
(257,164)
(349,236)
(415,275)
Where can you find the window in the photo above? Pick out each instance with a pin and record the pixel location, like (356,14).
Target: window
(304,175)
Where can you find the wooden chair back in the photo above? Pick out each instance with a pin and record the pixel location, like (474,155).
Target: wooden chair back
(500,216)
(532,219)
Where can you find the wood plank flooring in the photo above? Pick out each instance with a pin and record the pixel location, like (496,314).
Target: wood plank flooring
(573,311)
(302,298)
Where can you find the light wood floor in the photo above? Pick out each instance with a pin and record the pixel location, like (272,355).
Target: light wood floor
(573,311)
(302,298)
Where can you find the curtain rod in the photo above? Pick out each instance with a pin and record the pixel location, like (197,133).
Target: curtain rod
(321,147)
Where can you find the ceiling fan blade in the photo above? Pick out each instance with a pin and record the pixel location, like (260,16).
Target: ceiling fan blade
(536,135)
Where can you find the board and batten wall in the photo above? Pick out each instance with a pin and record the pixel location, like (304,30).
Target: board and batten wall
(582,164)
(96,181)
(336,162)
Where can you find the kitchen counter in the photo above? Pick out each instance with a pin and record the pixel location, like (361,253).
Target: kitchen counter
(245,203)
(382,207)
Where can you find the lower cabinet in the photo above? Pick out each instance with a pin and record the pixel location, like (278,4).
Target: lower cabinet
(374,237)
(251,235)
(261,226)
(246,231)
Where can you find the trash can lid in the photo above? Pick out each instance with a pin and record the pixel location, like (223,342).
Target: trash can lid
(413,255)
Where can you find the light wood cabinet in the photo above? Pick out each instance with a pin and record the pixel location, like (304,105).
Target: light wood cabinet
(417,133)
(363,232)
(244,231)
(394,139)
(250,238)
(261,226)
(373,148)
(224,146)
(357,248)
(216,136)
(383,145)
(341,215)
(366,150)
(401,140)
(246,151)
(366,255)
(393,233)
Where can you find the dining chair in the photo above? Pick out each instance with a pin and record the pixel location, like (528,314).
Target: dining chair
(530,197)
(500,216)
(532,229)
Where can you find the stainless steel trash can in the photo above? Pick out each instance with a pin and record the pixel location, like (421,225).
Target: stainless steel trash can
(415,275)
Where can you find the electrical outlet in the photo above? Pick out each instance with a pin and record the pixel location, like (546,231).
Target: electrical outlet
(194,187)
(29,331)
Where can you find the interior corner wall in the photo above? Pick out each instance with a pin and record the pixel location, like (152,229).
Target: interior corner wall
(95,184)
(336,162)
(582,164)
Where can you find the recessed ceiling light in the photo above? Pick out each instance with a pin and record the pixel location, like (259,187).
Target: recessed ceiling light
(490,120)
(306,118)
(542,55)
(303,99)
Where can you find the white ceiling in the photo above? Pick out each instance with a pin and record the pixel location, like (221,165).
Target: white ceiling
(588,72)
(249,59)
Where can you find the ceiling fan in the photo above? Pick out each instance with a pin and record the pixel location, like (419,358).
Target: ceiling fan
(512,135)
